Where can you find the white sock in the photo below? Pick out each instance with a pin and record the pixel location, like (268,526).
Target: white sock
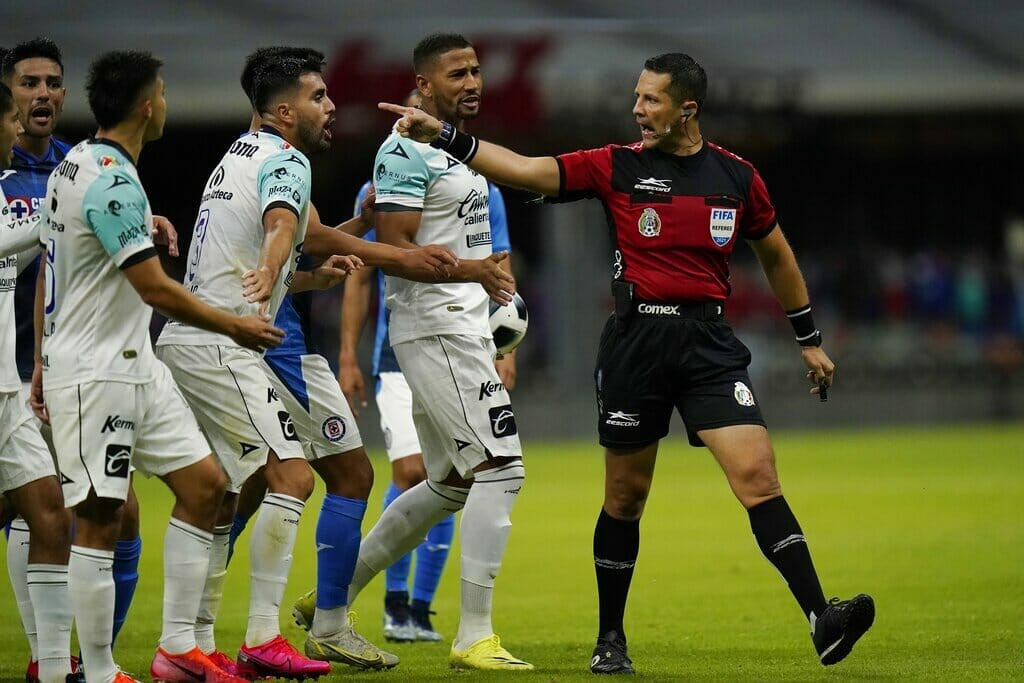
(213,591)
(328,621)
(485,529)
(402,527)
(48,584)
(17,563)
(270,557)
(186,560)
(91,584)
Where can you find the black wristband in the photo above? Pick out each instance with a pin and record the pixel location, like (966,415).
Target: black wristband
(807,333)
(462,146)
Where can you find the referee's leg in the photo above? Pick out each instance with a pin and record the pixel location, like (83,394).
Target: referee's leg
(745,454)
(628,475)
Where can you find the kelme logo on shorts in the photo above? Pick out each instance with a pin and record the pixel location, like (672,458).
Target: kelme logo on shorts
(119,459)
(503,421)
(334,428)
(744,396)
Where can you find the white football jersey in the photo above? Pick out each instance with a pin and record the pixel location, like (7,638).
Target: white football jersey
(411,176)
(96,221)
(259,172)
(9,380)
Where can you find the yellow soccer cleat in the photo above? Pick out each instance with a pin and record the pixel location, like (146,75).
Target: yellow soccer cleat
(487,654)
(303,610)
(349,647)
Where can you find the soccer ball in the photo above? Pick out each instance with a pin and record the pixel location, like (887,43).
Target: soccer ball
(509,323)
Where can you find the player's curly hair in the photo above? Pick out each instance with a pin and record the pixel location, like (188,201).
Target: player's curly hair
(261,56)
(688,80)
(116,81)
(40,46)
(436,44)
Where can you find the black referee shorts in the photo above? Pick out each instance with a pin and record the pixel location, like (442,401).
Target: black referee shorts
(698,367)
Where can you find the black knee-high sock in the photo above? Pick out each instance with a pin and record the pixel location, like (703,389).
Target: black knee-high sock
(616,544)
(782,542)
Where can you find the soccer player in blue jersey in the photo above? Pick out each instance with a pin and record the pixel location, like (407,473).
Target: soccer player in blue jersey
(405,621)
(34,71)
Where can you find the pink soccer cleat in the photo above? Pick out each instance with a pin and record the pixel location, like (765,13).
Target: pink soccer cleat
(188,667)
(226,664)
(278,659)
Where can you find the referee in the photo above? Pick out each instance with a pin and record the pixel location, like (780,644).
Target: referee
(677,205)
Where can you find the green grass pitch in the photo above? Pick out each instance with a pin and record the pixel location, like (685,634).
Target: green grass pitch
(928,521)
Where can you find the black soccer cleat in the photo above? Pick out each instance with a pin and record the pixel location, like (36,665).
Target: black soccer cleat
(610,655)
(840,626)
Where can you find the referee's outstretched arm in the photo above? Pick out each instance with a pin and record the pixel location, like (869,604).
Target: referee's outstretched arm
(500,164)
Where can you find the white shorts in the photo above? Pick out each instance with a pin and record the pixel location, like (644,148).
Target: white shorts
(236,405)
(461,409)
(319,409)
(22,449)
(102,429)
(394,403)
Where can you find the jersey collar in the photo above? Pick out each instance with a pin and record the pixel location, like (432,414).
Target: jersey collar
(115,145)
(265,128)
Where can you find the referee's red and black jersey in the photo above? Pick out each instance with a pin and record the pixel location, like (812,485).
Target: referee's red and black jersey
(674,219)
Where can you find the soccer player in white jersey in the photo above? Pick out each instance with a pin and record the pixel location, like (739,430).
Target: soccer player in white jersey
(442,340)
(110,402)
(27,474)
(245,248)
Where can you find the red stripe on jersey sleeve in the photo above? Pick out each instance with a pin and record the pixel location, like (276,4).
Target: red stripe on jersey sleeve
(759,214)
(586,171)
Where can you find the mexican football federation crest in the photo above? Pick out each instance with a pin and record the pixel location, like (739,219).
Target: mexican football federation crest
(649,223)
(743,395)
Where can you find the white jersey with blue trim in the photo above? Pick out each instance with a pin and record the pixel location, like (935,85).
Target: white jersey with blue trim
(260,171)
(9,379)
(96,221)
(383,356)
(411,176)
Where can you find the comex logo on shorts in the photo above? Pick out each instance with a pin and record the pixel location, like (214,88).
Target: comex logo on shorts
(617,418)
(119,459)
(334,428)
(503,421)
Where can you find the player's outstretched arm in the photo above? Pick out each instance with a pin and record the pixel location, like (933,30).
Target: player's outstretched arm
(500,164)
(787,282)
(328,274)
(399,228)
(174,301)
(355,305)
(422,264)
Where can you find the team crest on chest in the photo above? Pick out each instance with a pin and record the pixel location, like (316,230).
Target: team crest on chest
(722,226)
(649,223)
